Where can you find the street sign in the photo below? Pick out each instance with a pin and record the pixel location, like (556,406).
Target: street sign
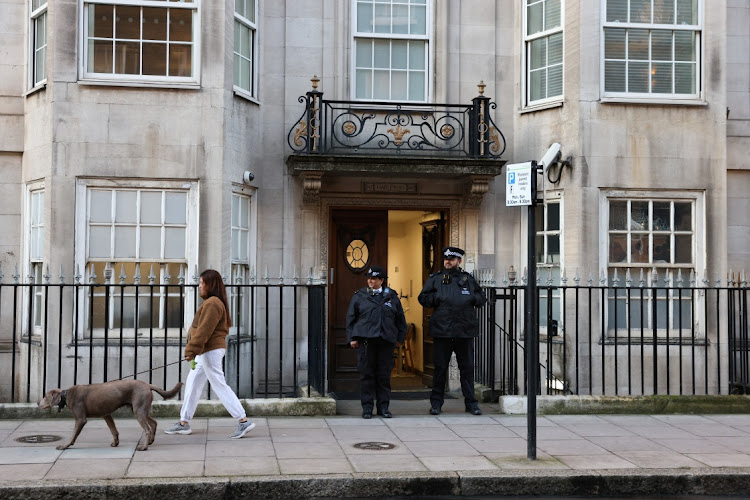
(518,184)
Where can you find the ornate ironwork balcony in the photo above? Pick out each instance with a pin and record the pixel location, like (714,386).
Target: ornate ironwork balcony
(418,129)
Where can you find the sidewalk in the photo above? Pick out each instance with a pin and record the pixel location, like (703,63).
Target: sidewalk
(414,453)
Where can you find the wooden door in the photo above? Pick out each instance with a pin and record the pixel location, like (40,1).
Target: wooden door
(358,239)
(433,240)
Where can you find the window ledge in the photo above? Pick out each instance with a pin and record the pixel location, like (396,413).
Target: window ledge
(240,92)
(657,102)
(540,107)
(131,83)
(40,86)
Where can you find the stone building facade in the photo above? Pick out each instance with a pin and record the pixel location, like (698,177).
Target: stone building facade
(129,129)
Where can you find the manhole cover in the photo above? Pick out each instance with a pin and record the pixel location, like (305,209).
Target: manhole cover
(38,438)
(375,445)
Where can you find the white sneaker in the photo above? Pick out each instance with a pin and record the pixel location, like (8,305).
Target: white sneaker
(178,428)
(242,429)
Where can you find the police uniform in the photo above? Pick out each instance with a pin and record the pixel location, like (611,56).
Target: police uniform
(376,320)
(453,294)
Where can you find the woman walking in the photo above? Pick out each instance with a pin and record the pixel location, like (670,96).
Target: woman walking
(207,345)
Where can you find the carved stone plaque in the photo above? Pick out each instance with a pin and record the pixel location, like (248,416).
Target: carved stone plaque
(389,187)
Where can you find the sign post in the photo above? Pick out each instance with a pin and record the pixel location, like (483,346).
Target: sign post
(521,187)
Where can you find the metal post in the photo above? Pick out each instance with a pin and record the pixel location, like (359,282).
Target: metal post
(532,326)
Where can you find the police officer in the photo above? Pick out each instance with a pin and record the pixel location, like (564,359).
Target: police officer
(374,323)
(454,294)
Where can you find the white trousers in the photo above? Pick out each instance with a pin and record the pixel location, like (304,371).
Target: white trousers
(208,367)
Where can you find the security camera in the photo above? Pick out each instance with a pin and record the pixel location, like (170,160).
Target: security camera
(247,177)
(551,156)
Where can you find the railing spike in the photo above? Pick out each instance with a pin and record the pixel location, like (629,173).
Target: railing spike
(577,277)
(253,276)
(137,275)
(47,276)
(591,278)
(107,273)
(654,277)
(706,281)
(62,275)
(525,276)
(550,281)
(181,276)
(692,279)
(295,278)
(266,277)
(310,276)
(718,280)
(628,278)
(123,276)
(281,274)
(642,279)
(564,277)
(679,280)
(615,278)
(602,278)
(196,276)
(92,274)
(167,276)
(32,276)
(77,275)
(151,276)
(744,279)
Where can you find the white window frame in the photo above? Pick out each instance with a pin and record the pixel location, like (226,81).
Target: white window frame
(252,92)
(36,16)
(543,269)
(635,97)
(526,58)
(83,188)
(241,269)
(696,198)
(118,79)
(34,263)
(428,38)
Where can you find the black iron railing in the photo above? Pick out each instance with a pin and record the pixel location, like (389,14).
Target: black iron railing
(66,334)
(608,340)
(358,127)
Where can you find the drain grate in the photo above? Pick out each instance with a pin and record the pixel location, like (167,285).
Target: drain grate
(374,445)
(38,438)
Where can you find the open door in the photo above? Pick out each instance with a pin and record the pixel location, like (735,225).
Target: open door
(358,239)
(433,240)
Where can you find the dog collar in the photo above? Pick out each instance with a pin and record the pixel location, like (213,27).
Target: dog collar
(63,397)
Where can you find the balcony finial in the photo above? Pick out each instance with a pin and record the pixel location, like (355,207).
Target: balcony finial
(481,87)
(315,81)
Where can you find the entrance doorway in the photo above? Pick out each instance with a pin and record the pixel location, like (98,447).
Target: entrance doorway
(394,239)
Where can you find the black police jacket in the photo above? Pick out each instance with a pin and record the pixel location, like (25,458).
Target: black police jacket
(371,316)
(454,294)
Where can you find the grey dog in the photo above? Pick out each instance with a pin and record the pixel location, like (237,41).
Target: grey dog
(101,400)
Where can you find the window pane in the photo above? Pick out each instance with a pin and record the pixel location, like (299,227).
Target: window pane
(364,17)
(364,84)
(538,85)
(684,46)
(553,249)
(150,207)
(614,76)
(683,249)
(661,45)
(639,215)
(539,217)
(154,24)
(638,77)
(174,244)
(124,242)
(150,243)
(382,20)
(401,19)
(155,59)
(176,204)
(381,85)
(364,54)
(618,215)
(100,209)
(244,253)
(662,249)
(683,217)
(127,58)
(535,18)
(554,81)
(398,85)
(128,22)
(662,216)
(99,241)
(399,54)
(661,78)
(101,21)
(618,248)
(552,14)
(181,25)
(418,20)
(417,55)
(555,49)
(416,86)
(245,43)
(639,248)
(640,11)
(538,53)
(614,44)
(382,54)
(180,60)
(125,206)
(617,11)
(100,56)
(540,250)
(235,210)
(235,244)
(663,12)
(687,11)
(553,217)
(244,212)
(638,44)
(684,78)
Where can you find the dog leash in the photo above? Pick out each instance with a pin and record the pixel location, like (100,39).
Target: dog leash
(152,369)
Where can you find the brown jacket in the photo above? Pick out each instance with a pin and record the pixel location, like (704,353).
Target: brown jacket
(209,329)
